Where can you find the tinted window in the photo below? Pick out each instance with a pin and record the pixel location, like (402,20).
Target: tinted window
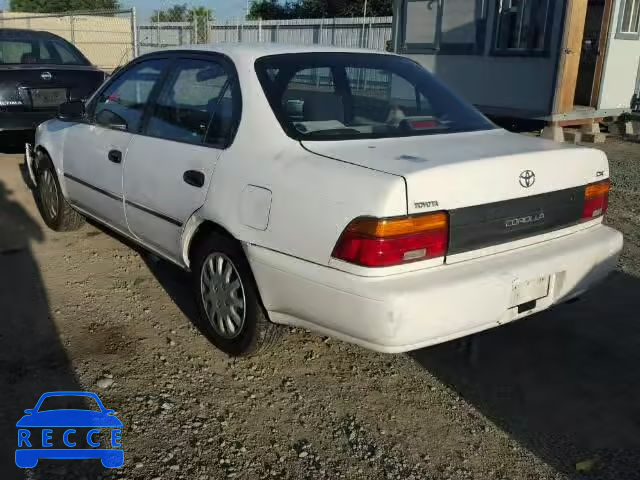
(350,95)
(195,103)
(121,104)
(38,51)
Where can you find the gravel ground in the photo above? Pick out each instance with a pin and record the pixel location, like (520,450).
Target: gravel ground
(550,397)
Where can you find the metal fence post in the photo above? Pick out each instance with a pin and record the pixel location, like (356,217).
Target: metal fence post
(208,27)
(134,33)
(195,30)
(158,30)
(73,30)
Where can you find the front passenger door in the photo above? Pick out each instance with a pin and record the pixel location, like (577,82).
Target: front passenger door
(170,165)
(94,152)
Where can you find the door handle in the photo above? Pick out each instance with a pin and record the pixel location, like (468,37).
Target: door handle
(115,156)
(193,178)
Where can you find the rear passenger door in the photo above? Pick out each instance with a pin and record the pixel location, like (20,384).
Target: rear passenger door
(171,163)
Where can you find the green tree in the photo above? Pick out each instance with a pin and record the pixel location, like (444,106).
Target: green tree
(275,9)
(176,13)
(354,8)
(182,13)
(46,6)
(268,10)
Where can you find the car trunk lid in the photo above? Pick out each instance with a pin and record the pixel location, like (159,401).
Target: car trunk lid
(497,186)
(44,87)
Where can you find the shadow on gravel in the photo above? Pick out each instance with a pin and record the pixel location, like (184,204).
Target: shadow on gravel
(32,358)
(176,282)
(565,383)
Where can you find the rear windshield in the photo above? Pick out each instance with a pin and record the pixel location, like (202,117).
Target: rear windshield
(37,51)
(334,96)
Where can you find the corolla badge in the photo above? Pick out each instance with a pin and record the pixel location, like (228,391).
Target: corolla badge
(527,178)
(528,219)
(46,76)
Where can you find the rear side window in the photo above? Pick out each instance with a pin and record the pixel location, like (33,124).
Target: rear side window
(195,105)
(122,103)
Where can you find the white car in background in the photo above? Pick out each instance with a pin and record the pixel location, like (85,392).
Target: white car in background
(344,191)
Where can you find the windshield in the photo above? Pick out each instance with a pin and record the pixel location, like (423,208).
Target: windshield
(333,96)
(38,51)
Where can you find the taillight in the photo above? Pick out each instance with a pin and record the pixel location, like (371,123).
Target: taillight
(596,200)
(383,242)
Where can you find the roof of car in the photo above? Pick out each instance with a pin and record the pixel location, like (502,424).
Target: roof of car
(25,33)
(257,50)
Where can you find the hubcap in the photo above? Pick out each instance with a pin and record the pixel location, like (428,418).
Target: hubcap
(223,295)
(49,194)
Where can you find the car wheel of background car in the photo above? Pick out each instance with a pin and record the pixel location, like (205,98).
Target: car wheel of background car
(229,306)
(55,210)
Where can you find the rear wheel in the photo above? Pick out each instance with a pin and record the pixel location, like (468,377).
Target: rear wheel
(229,306)
(55,210)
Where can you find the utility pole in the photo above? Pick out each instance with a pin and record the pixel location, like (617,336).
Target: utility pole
(364,23)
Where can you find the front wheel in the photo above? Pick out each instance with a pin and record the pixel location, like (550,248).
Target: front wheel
(230,311)
(55,210)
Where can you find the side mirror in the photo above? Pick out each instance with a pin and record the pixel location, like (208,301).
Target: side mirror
(29,411)
(109,411)
(110,119)
(72,111)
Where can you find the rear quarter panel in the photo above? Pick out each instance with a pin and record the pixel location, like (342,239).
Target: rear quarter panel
(313,198)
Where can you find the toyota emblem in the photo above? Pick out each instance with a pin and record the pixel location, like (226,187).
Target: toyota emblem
(527,178)
(46,76)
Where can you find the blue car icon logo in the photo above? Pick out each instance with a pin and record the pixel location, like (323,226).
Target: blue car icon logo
(69,433)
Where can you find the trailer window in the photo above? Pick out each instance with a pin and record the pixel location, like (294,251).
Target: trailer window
(522,27)
(629,20)
(444,26)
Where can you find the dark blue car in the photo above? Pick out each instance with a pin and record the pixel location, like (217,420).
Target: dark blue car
(36,432)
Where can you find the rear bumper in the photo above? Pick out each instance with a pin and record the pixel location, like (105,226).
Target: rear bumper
(413,310)
(23,121)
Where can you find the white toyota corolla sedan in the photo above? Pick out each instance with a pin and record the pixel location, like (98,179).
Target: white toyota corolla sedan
(344,191)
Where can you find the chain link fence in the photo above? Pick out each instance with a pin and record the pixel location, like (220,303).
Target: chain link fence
(106,38)
(173,28)
(372,32)
(110,39)
(185,29)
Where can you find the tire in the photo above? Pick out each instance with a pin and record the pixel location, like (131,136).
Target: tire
(54,209)
(246,332)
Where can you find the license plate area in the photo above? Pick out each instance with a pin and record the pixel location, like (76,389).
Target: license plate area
(526,291)
(48,97)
